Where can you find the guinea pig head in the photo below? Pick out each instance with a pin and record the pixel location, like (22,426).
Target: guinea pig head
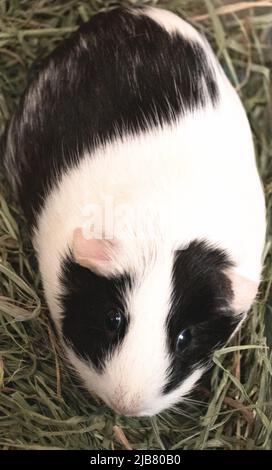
(141,321)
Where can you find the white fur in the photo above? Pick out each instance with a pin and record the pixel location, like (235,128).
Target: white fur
(132,392)
(196,178)
(172,23)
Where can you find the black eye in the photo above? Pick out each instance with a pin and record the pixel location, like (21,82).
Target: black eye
(183,340)
(114,321)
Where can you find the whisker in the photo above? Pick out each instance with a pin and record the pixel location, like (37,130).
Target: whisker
(193,401)
(183,413)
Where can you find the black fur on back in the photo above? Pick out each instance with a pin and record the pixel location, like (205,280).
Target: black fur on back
(120,73)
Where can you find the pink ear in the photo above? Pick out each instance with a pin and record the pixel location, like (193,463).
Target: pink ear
(92,253)
(245,291)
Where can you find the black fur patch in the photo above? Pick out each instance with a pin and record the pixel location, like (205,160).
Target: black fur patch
(86,301)
(200,291)
(119,73)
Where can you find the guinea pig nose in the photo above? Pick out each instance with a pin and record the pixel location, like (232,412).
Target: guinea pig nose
(125,409)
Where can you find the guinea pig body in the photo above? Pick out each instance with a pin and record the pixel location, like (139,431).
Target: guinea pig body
(133,159)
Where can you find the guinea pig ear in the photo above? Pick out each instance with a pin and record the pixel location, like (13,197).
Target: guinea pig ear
(244,291)
(95,254)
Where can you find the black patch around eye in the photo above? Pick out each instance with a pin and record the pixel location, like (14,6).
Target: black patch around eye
(94,323)
(201,298)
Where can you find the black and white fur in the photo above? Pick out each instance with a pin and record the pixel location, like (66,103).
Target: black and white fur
(134,112)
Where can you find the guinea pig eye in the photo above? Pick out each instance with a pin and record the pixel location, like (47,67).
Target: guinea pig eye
(114,320)
(183,340)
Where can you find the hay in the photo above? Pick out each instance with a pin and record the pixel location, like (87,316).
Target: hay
(41,404)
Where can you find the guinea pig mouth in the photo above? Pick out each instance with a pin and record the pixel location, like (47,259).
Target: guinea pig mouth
(131,410)
(124,409)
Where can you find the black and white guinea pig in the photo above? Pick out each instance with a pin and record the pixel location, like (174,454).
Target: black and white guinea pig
(133,160)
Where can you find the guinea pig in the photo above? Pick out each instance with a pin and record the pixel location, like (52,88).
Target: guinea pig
(132,157)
